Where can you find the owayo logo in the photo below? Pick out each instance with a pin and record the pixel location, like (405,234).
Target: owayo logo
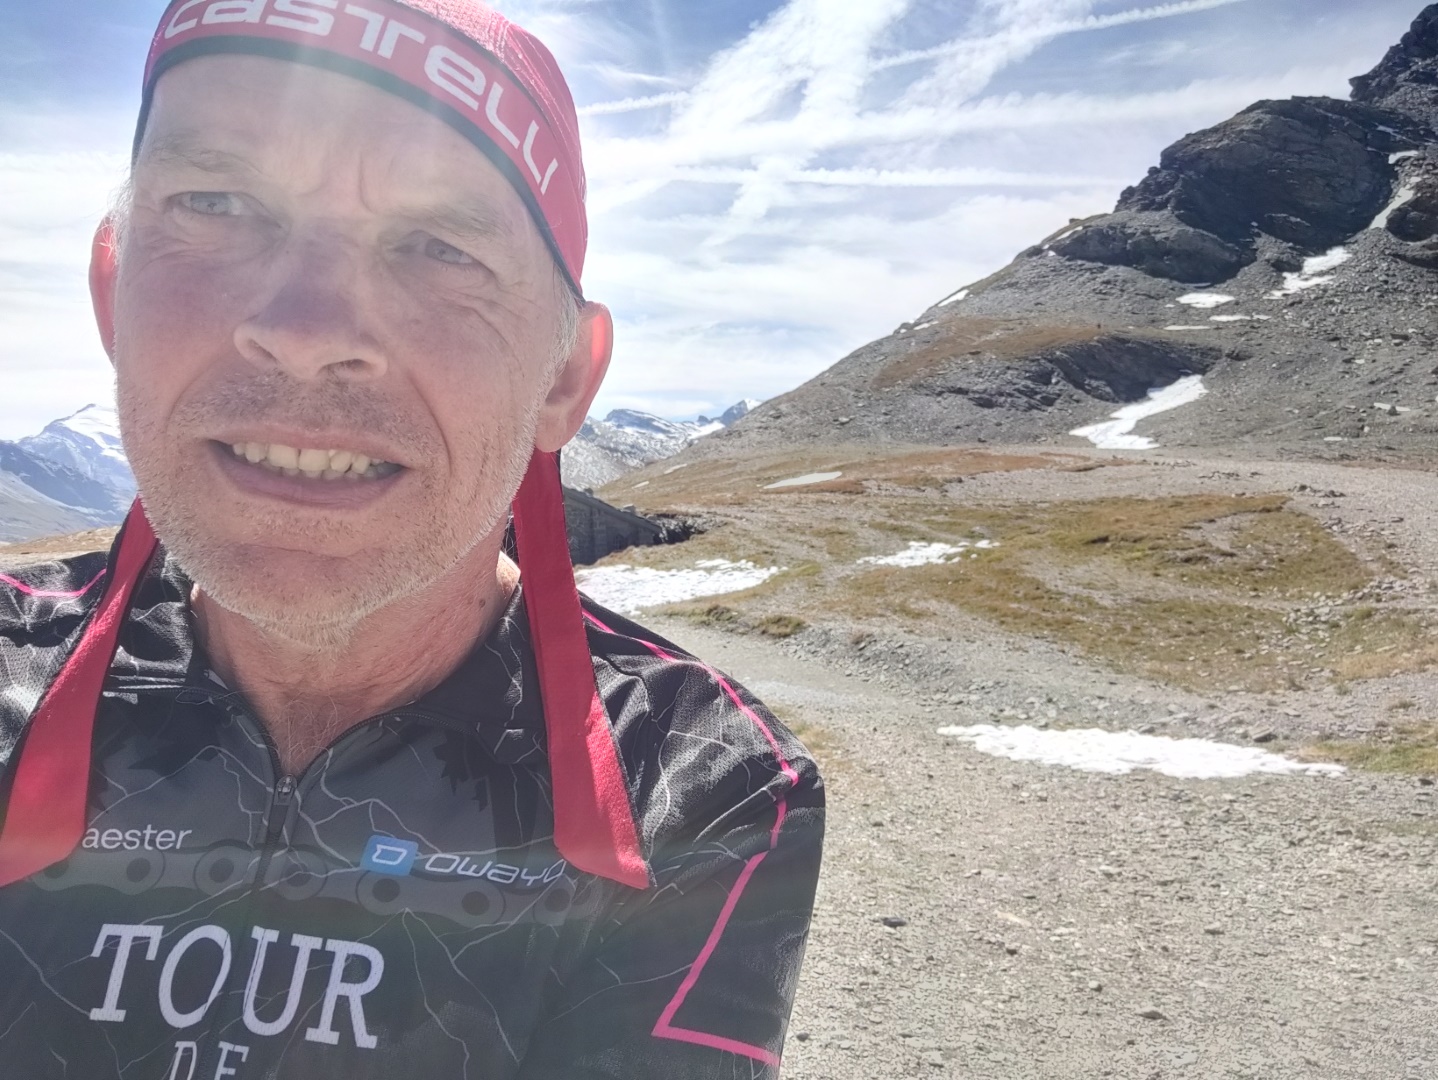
(386,855)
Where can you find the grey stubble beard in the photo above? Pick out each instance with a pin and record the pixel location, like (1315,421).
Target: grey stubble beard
(391,577)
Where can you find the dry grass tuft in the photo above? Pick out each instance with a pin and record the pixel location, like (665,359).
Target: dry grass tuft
(816,739)
(780,626)
(1411,750)
(1003,339)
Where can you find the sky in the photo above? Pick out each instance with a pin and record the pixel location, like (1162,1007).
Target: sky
(771,184)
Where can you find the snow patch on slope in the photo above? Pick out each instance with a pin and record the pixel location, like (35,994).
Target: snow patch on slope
(917,554)
(1205,300)
(1116,432)
(1093,750)
(1315,272)
(630,589)
(1405,195)
(803,481)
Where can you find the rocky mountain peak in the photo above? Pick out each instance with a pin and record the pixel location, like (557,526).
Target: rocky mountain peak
(1308,172)
(1407,77)
(626,439)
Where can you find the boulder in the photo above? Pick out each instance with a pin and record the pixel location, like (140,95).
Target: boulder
(1158,245)
(1417,219)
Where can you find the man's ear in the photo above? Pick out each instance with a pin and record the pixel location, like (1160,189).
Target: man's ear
(564,410)
(104,264)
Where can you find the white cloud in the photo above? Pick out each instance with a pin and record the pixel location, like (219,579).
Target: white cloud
(634,104)
(50,356)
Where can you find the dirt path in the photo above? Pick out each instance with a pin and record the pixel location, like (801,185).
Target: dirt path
(1066,924)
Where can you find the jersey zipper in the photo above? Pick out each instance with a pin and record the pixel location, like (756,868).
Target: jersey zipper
(282,798)
(280,801)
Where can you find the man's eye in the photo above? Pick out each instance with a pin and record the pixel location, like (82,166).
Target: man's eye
(447,253)
(211,203)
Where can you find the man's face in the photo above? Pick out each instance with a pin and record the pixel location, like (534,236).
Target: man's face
(314,275)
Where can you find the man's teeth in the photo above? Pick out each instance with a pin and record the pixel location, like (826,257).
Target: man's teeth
(315,464)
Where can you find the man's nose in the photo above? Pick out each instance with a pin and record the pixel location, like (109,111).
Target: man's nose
(310,322)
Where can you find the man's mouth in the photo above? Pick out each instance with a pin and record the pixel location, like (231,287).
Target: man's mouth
(315,464)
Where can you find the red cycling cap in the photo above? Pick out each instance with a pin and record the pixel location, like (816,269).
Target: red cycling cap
(492,81)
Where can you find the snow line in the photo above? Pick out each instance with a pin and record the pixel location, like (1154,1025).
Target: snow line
(1118,752)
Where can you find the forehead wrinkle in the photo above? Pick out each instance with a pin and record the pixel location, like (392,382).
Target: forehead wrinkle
(471,219)
(187,149)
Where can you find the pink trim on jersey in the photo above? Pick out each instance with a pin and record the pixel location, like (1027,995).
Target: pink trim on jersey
(43,594)
(664,1027)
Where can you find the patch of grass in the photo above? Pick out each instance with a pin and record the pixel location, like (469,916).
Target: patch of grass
(1284,553)
(1233,543)
(981,336)
(780,626)
(1411,750)
(737,481)
(1370,644)
(719,616)
(816,740)
(55,547)
(1191,590)
(1179,639)
(1198,591)
(840,543)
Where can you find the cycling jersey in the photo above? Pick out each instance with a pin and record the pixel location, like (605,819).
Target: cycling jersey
(400,908)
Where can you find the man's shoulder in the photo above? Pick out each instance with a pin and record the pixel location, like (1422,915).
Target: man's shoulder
(37,599)
(680,722)
(42,606)
(674,692)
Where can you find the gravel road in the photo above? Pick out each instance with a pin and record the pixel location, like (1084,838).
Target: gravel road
(980,917)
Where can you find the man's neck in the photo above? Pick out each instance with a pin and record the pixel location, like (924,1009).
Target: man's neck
(308,695)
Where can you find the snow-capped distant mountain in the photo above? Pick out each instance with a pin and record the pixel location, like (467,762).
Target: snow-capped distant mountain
(737,411)
(627,439)
(637,438)
(88,442)
(72,475)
